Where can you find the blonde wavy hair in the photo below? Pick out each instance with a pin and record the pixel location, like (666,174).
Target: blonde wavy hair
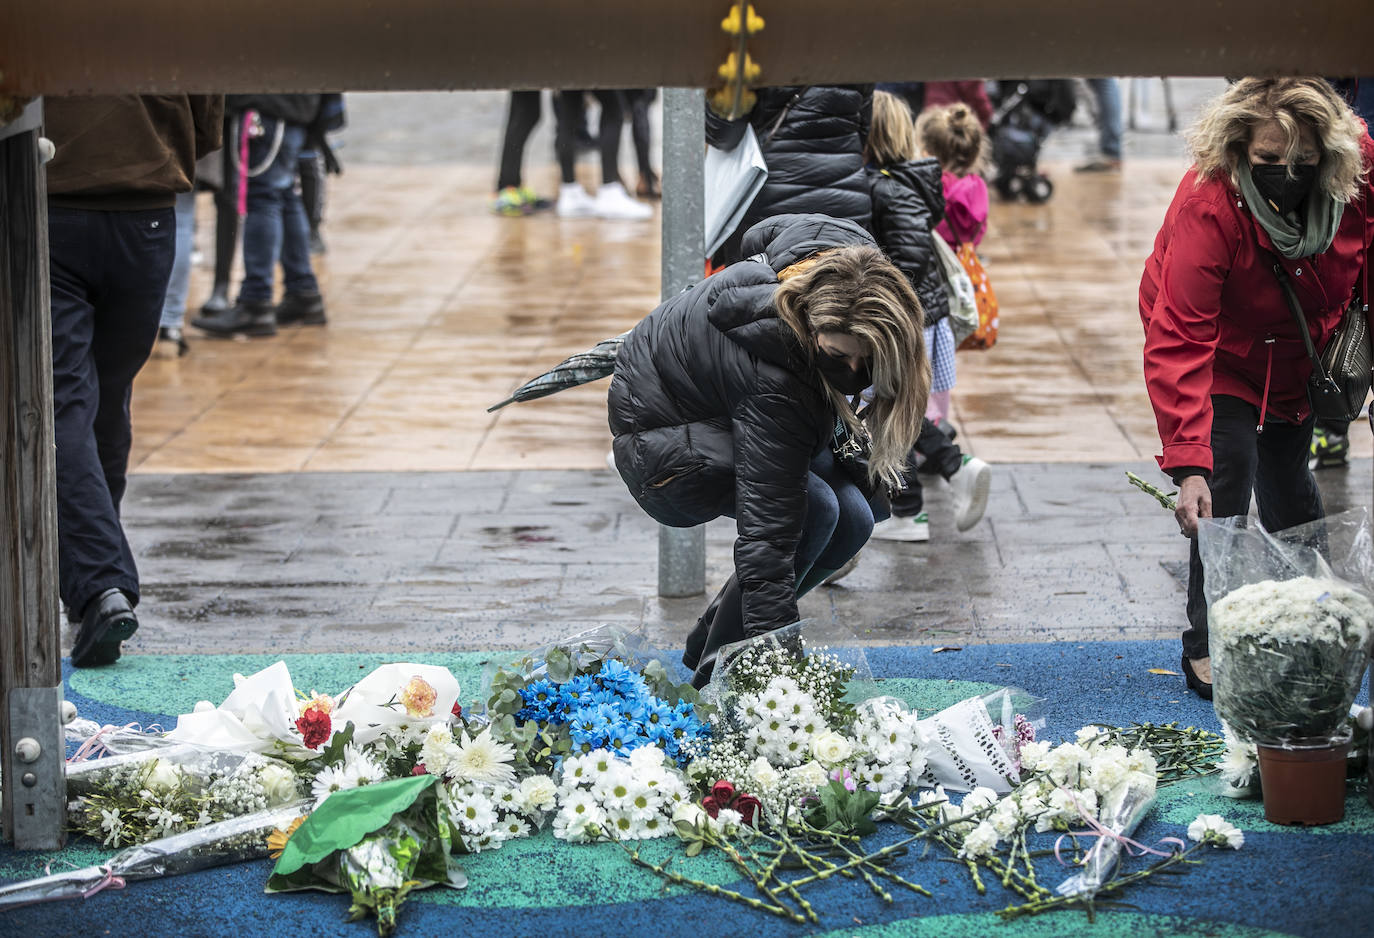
(892,133)
(953,136)
(857,291)
(1219,139)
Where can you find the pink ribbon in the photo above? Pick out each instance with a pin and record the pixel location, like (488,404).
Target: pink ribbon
(1096,829)
(110,881)
(95,746)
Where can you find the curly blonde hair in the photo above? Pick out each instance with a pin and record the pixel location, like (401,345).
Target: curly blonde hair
(857,291)
(953,136)
(1219,139)
(892,133)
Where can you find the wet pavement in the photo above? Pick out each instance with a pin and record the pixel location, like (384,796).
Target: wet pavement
(343,488)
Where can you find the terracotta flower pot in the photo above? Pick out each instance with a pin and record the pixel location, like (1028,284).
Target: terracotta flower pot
(1303,782)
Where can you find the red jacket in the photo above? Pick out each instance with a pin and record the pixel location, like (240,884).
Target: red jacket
(1216,321)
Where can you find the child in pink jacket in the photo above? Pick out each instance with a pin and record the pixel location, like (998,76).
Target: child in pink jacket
(954,136)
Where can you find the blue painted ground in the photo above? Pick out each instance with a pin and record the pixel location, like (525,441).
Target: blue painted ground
(1276,885)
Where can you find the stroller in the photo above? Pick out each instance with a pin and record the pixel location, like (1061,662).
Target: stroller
(1024,114)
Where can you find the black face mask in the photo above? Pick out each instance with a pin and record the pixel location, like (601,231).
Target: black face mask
(840,376)
(1283,193)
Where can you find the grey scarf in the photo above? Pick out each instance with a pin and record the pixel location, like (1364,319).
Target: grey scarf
(1292,238)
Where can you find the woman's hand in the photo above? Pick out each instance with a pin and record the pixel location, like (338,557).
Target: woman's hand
(1194,501)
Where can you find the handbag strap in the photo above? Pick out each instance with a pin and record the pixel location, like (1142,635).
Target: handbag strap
(782,115)
(1296,309)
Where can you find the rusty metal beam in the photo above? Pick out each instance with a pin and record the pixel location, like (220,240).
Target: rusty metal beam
(96,46)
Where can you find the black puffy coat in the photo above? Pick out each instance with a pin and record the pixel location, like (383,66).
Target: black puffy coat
(815,156)
(717,410)
(908,202)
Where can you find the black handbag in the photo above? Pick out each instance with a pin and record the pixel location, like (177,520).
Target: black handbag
(1341,373)
(852,452)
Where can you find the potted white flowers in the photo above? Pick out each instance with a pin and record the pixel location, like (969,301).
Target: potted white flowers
(1290,639)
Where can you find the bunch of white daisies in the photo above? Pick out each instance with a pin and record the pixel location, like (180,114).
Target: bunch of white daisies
(888,755)
(601,795)
(483,815)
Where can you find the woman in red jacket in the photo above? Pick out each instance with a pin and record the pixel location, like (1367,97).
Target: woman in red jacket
(1281,176)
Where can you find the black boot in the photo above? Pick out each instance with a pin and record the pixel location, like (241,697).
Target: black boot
(304,308)
(108,620)
(727,627)
(696,640)
(247,318)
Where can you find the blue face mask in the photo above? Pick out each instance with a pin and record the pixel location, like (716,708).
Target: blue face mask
(840,376)
(1283,192)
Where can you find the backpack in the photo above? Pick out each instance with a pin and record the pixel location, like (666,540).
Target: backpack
(963,299)
(985,334)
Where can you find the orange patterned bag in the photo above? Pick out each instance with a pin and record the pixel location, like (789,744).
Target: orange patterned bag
(985,336)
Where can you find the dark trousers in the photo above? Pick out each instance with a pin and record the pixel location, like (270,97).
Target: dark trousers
(310,169)
(838,523)
(109,275)
(941,455)
(637,101)
(572,117)
(521,119)
(1273,465)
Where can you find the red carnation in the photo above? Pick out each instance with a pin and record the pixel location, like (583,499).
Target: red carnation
(419,769)
(457,710)
(314,727)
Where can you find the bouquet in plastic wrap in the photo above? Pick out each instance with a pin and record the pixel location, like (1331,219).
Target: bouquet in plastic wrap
(1290,624)
(376,843)
(604,689)
(232,841)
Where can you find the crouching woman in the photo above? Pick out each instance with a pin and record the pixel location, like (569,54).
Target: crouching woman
(725,402)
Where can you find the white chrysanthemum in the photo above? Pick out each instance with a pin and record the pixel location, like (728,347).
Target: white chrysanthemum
(329,780)
(537,793)
(646,759)
(980,841)
(361,768)
(438,750)
(476,814)
(514,828)
(1213,829)
(483,759)
(1065,763)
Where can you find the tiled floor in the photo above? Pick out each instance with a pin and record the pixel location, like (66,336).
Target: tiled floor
(438,309)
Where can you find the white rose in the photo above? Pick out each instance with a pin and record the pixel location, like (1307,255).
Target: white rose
(812,774)
(830,748)
(691,812)
(204,706)
(762,772)
(538,792)
(278,784)
(164,776)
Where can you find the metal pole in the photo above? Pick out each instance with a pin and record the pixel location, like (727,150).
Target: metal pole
(32,751)
(682,551)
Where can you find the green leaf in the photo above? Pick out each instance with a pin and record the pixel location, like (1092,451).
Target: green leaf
(694,848)
(333,751)
(560,665)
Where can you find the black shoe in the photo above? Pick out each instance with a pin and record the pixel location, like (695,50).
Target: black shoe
(1195,684)
(304,308)
(217,303)
(107,621)
(247,318)
(170,337)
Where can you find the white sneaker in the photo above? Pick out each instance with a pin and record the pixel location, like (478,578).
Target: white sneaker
(612,201)
(970,486)
(843,572)
(911,529)
(610,460)
(574,202)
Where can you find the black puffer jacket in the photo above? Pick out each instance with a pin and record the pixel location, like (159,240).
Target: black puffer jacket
(908,202)
(815,157)
(717,411)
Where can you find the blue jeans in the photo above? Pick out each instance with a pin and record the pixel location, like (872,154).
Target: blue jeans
(275,228)
(179,284)
(839,521)
(108,274)
(1107,91)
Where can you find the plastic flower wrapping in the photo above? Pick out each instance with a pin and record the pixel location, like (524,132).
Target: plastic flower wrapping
(1290,625)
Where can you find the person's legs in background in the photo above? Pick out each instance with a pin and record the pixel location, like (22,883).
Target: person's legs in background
(171,343)
(108,273)
(1330,446)
(226,213)
(1107,93)
(513,197)
(637,102)
(573,200)
(612,201)
(301,301)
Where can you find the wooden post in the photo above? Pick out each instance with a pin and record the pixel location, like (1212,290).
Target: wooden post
(30,655)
